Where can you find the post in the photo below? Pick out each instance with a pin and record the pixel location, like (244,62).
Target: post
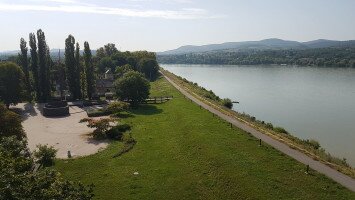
(69,154)
(259,142)
(307,172)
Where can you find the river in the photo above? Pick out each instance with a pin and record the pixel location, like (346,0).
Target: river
(310,102)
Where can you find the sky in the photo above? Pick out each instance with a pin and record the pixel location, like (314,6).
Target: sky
(159,25)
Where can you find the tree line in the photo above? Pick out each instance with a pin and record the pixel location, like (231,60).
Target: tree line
(38,75)
(321,57)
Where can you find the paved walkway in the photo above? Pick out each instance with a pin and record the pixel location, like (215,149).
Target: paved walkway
(339,177)
(63,133)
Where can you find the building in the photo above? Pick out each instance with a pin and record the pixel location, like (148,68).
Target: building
(104,83)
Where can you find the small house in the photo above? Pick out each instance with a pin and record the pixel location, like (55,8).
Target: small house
(105,83)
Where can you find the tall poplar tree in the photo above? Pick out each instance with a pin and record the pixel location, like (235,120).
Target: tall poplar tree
(34,63)
(44,83)
(89,69)
(24,64)
(70,66)
(78,71)
(82,72)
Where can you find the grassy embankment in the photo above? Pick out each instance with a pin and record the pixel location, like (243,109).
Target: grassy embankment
(184,152)
(310,147)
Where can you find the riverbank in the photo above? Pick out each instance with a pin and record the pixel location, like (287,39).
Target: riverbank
(184,152)
(309,147)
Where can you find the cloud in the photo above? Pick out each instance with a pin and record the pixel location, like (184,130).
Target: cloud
(63,1)
(70,6)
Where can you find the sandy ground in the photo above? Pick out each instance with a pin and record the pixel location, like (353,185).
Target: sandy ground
(64,133)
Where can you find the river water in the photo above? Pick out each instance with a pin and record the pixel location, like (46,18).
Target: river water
(311,103)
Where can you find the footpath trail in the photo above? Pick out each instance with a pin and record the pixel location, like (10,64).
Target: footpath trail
(339,177)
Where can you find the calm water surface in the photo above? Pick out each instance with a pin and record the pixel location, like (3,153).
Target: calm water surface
(311,103)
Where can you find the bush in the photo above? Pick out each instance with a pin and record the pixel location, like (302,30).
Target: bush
(280,130)
(227,103)
(117,107)
(269,126)
(101,126)
(98,113)
(45,155)
(313,143)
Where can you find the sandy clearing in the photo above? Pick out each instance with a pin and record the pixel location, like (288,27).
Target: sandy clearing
(64,133)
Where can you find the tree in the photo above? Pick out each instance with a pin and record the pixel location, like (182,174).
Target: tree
(43,73)
(104,64)
(227,103)
(34,64)
(149,67)
(11,83)
(79,72)
(132,87)
(45,155)
(100,53)
(10,124)
(120,71)
(71,71)
(110,49)
(89,69)
(119,59)
(24,64)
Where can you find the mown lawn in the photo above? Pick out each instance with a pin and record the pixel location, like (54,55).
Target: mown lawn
(184,152)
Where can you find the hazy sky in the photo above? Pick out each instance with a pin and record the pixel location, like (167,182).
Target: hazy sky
(158,25)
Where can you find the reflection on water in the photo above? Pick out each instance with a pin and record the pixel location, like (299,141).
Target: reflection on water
(311,103)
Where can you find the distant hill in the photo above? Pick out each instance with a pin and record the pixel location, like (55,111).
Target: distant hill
(268,44)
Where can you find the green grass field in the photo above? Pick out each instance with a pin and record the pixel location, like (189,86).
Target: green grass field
(184,152)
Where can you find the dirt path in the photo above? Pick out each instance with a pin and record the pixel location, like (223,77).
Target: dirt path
(339,177)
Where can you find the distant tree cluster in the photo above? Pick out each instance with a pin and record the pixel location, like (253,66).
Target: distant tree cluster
(322,57)
(108,57)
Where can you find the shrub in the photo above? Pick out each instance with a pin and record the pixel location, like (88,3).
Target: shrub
(280,130)
(117,107)
(269,126)
(227,103)
(98,113)
(101,126)
(45,155)
(313,143)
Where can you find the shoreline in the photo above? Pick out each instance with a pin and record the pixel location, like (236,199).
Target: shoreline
(291,141)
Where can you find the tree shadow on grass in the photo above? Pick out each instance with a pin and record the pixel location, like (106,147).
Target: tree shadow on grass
(96,142)
(146,109)
(123,115)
